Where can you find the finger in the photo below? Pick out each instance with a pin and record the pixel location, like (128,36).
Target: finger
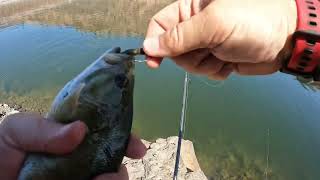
(189,61)
(122,174)
(182,38)
(210,65)
(257,68)
(32,133)
(164,20)
(223,74)
(11,160)
(153,62)
(161,22)
(169,17)
(136,149)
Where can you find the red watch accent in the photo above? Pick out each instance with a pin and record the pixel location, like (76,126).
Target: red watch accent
(305,59)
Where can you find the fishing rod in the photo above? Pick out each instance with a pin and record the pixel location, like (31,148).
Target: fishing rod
(182,123)
(140,51)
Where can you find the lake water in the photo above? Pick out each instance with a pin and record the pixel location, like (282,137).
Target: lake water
(235,125)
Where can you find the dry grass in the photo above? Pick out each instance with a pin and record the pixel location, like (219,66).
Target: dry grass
(20,6)
(123,17)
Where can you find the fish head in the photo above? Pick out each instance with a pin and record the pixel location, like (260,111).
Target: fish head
(100,85)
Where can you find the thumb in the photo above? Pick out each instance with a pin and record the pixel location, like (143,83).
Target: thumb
(122,174)
(184,37)
(32,133)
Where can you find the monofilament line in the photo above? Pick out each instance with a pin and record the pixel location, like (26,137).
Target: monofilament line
(140,61)
(267,153)
(182,123)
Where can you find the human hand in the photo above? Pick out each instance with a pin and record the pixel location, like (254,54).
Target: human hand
(216,37)
(25,132)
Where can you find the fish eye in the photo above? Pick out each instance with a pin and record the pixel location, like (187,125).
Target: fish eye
(65,95)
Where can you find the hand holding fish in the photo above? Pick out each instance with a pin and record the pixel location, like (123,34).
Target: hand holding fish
(216,37)
(25,132)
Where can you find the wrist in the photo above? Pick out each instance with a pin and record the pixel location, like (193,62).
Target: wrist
(291,27)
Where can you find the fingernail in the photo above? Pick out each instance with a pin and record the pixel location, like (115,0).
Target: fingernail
(151,45)
(74,125)
(65,129)
(81,126)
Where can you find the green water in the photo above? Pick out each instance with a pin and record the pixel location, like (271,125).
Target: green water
(228,123)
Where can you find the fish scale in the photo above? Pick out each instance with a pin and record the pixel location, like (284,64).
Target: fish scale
(102,97)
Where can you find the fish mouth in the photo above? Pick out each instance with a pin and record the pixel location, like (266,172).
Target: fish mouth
(114,50)
(114,56)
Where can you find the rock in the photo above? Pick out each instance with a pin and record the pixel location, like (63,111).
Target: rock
(17,107)
(188,156)
(2,114)
(146,143)
(158,163)
(161,141)
(195,175)
(5,110)
(135,168)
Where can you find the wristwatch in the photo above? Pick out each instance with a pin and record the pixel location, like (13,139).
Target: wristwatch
(305,59)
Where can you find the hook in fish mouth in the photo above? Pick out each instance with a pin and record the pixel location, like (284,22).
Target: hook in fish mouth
(116,56)
(134,52)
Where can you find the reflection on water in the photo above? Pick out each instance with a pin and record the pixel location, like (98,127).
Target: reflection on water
(228,123)
(309,84)
(122,17)
(20,10)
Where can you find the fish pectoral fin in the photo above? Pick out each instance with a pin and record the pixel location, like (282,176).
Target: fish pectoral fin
(74,100)
(101,127)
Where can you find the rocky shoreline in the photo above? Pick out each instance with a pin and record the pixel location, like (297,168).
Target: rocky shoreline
(158,163)
(6,110)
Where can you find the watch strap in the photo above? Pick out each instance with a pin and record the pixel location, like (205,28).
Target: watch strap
(305,57)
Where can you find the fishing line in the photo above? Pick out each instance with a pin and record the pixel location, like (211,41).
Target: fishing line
(211,85)
(267,153)
(183,118)
(198,78)
(139,61)
(140,52)
(187,107)
(182,123)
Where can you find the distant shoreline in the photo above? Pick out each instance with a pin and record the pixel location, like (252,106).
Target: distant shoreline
(3,2)
(100,17)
